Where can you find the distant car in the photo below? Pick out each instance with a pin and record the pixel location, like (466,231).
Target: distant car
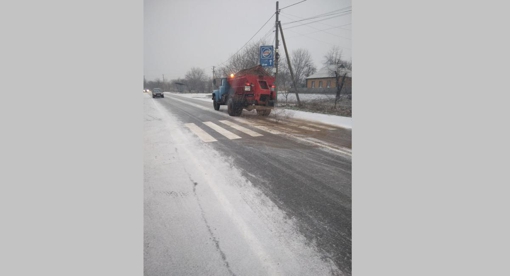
(157,92)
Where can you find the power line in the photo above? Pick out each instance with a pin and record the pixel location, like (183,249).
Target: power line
(312,22)
(322,41)
(318,16)
(327,14)
(318,31)
(270,32)
(321,17)
(331,27)
(248,40)
(324,30)
(292,5)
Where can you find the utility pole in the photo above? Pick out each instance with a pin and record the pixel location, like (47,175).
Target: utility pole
(276,55)
(213,79)
(290,67)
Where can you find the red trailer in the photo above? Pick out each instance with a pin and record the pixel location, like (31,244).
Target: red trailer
(248,89)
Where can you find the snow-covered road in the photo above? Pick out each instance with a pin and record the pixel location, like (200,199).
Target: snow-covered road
(203,217)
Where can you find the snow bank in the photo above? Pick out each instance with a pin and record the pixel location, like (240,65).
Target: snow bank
(345,122)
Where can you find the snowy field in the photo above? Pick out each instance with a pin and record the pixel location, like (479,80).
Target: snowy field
(291,97)
(345,122)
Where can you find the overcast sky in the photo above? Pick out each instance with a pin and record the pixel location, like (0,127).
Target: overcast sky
(181,34)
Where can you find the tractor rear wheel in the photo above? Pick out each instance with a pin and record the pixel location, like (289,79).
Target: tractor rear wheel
(230,107)
(238,111)
(233,108)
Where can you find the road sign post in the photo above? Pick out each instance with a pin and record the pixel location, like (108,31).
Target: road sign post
(267,56)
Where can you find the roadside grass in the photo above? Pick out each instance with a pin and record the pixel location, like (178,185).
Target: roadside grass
(322,106)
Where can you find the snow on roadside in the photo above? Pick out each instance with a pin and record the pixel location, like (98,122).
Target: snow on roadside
(215,214)
(345,122)
(334,120)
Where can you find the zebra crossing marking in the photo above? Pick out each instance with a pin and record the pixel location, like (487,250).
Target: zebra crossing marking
(240,128)
(270,130)
(204,136)
(273,129)
(323,127)
(296,125)
(262,126)
(222,131)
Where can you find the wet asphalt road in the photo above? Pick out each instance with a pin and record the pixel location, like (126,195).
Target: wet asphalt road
(311,184)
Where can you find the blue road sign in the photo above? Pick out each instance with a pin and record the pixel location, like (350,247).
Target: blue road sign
(266,56)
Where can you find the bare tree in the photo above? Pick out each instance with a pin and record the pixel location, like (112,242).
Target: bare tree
(157,83)
(334,56)
(196,79)
(177,84)
(347,64)
(338,68)
(246,58)
(209,86)
(303,65)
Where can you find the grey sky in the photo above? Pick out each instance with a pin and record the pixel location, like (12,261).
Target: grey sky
(181,34)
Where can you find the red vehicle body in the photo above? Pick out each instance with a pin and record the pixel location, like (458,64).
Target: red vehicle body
(249,89)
